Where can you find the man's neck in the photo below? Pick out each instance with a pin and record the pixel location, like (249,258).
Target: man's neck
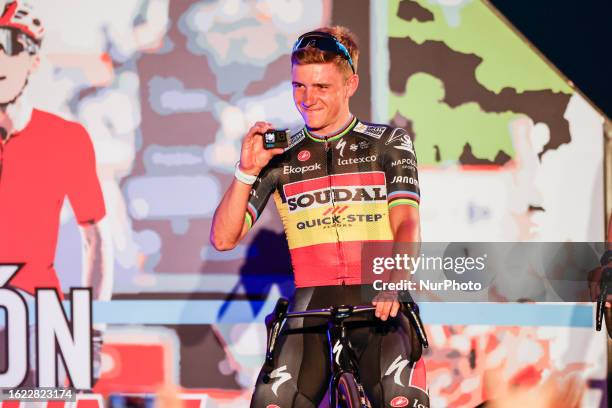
(14,117)
(334,128)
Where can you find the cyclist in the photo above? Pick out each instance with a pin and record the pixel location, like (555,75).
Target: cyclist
(340,184)
(43,159)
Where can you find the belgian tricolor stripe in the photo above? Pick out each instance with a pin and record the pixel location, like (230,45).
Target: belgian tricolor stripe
(373,178)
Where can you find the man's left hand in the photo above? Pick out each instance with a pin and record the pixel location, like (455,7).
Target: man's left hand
(386,305)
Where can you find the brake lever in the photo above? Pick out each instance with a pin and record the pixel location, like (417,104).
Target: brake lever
(411,310)
(603,295)
(274,322)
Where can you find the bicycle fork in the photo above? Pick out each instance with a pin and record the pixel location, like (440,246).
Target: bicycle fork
(343,360)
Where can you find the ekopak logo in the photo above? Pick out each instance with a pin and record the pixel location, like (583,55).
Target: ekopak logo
(399,402)
(303,155)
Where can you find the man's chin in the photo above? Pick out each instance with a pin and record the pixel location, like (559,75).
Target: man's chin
(312,125)
(4,100)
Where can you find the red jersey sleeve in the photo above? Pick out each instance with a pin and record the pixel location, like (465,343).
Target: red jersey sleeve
(84,190)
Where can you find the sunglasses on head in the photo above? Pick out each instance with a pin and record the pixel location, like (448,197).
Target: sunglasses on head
(14,42)
(324,42)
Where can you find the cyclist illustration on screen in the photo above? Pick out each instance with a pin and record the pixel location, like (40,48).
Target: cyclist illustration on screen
(43,160)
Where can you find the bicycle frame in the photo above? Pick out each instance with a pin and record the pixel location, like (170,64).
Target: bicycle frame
(342,356)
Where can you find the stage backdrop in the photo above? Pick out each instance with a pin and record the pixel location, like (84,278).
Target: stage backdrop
(507,149)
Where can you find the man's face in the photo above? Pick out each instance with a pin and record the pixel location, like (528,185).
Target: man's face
(321,94)
(14,72)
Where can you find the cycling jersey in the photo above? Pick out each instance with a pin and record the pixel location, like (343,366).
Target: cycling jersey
(48,160)
(333,194)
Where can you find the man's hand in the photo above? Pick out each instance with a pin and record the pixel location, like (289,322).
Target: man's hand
(386,305)
(253,156)
(594,278)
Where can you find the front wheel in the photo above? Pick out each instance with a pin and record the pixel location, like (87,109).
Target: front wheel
(350,393)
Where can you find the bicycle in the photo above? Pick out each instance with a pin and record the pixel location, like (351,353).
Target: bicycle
(345,385)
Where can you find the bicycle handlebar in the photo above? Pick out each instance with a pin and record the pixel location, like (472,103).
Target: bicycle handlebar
(275,321)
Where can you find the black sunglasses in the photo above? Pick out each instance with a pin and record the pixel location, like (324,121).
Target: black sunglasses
(14,42)
(324,42)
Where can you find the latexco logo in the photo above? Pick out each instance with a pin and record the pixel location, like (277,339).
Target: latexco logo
(301,170)
(356,160)
(303,155)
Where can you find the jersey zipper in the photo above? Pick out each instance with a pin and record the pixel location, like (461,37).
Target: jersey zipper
(1,159)
(328,166)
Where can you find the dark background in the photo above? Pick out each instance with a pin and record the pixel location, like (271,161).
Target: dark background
(574,35)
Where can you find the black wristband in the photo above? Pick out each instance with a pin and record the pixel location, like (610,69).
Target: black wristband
(606,257)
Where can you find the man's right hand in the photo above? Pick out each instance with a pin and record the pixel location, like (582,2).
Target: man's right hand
(253,156)
(594,278)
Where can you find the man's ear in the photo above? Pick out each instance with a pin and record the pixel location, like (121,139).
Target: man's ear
(35,62)
(352,84)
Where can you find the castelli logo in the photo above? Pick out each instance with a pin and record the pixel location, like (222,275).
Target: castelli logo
(272,406)
(400,401)
(303,155)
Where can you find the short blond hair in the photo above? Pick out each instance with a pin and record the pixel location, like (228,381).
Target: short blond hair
(310,55)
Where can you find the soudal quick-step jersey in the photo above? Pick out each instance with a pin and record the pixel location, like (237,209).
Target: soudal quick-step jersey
(334,193)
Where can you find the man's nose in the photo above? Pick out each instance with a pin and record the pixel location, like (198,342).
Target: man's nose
(309,98)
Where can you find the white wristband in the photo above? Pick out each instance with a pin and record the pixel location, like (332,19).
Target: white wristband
(243,177)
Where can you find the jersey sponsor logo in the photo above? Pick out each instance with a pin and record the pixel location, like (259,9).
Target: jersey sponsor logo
(337,350)
(395,135)
(281,376)
(374,131)
(272,406)
(396,368)
(399,402)
(295,139)
(360,127)
(404,162)
(340,146)
(319,191)
(338,220)
(313,199)
(356,160)
(303,155)
(405,180)
(354,147)
(405,144)
(301,170)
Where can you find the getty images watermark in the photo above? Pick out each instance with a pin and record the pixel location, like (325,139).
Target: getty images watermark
(482,271)
(403,264)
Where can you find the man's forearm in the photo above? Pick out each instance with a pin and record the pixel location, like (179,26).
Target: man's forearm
(228,224)
(97,270)
(406,241)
